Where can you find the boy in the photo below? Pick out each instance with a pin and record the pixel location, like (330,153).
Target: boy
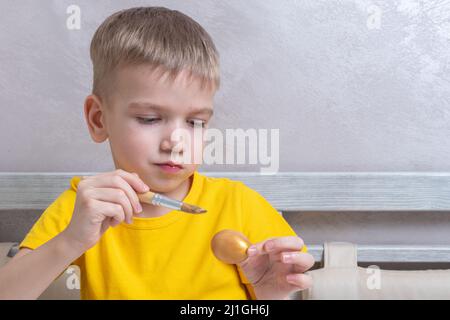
(155,71)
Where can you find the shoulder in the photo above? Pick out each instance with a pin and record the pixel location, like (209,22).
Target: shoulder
(230,188)
(54,219)
(63,205)
(69,195)
(74,183)
(222,184)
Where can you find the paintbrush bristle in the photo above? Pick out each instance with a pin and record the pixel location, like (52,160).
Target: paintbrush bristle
(191,208)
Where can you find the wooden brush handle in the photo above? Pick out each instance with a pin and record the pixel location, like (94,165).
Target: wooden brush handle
(146,197)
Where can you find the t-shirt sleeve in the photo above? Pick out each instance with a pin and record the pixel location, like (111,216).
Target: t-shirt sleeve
(52,221)
(261,221)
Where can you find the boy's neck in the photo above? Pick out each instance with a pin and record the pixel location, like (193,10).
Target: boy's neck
(151,211)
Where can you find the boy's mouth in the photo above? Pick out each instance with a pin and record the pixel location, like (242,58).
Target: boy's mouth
(169,167)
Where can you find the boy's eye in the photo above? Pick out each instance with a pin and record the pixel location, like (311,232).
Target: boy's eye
(197,123)
(147,120)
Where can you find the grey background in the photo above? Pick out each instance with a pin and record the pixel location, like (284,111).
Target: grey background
(345,96)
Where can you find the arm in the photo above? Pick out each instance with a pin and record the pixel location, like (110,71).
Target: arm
(102,201)
(30,272)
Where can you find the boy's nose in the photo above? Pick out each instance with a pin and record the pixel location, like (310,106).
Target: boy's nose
(168,145)
(174,139)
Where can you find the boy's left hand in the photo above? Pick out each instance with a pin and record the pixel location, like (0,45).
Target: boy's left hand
(270,274)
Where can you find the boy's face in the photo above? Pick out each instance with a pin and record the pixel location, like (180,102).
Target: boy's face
(141,114)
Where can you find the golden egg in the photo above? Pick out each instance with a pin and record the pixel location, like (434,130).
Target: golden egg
(230,246)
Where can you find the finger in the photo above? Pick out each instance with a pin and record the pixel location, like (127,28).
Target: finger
(258,248)
(133,185)
(114,223)
(117,196)
(116,181)
(113,195)
(133,179)
(277,245)
(300,280)
(105,225)
(112,210)
(301,261)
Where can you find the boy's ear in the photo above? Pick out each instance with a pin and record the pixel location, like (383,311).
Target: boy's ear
(94,113)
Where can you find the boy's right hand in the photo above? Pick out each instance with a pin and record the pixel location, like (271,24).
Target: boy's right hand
(103,201)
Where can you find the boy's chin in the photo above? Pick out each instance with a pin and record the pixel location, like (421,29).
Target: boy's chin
(166,184)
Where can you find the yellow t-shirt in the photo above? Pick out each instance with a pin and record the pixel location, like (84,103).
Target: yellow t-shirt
(168,257)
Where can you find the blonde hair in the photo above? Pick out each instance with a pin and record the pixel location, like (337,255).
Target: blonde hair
(155,36)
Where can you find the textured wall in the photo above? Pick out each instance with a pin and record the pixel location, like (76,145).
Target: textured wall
(352,85)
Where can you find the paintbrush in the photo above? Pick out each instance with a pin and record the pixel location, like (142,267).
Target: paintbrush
(160,200)
(157,199)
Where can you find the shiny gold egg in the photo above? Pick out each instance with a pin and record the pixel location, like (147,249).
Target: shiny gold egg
(230,246)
